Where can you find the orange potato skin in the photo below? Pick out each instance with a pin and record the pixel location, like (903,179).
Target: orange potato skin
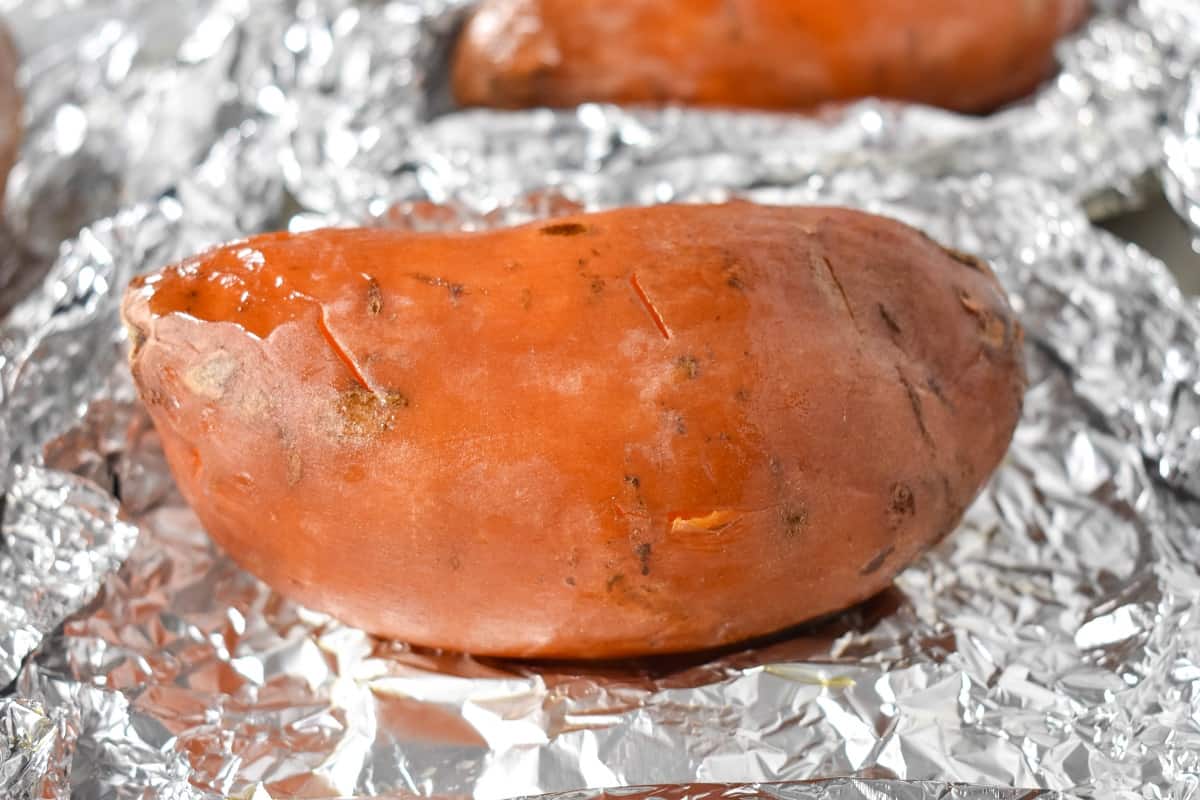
(766,54)
(641,431)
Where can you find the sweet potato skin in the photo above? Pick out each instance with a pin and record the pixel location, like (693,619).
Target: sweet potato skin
(767,54)
(640,431)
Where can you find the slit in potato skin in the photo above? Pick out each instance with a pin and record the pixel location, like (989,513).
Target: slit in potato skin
(565,229)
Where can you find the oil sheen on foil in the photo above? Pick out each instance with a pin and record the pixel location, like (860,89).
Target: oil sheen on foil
(1052,643)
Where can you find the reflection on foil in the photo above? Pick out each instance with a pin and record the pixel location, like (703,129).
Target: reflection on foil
(124,98)
(1181,149)
(1049,644)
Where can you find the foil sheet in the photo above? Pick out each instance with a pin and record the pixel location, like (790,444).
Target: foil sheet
(1181,170)
(1051,643)
(847,789)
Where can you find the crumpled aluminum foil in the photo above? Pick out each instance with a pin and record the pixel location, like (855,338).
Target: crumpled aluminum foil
(1181,170)
(1051,643)
(839,789)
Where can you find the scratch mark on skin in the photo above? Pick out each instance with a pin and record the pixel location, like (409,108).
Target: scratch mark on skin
(914,400)
(374,296)
(342,354)
(654,315)
(841,289)
(888,320)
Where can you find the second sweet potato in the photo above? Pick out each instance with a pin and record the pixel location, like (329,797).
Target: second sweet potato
(767,54)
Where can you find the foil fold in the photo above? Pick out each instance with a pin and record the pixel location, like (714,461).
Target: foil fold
(844,789)
(1181,169)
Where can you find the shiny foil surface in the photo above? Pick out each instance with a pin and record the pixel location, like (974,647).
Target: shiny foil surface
(1052,644)
(1181,169)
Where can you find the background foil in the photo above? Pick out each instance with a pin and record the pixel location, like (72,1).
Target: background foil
(1181,171)
(360,77)
(1053,642)
(125,97)
(818,790)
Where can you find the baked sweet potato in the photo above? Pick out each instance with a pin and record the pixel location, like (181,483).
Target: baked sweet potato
(768,54)
(641,431)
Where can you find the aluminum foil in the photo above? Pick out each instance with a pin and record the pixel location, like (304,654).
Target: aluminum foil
(847,789)
(1051,644)
(1181,170)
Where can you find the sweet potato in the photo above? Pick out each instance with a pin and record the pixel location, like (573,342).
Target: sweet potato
(768,54)
(640,431)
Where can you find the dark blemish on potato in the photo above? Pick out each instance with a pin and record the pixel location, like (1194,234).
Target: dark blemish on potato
(633,481)
(888,320)
(456,290)
(966,259)
(914,400)
(643,554)
(569,580)
(526,299)
(680,425)
(688,367)
(947,490)
(729,265)
(794,520)
(875,563)
(902,503)
(741,395)
(365,414)
(597,285)
(374,297)
(455,563)
(564,229)
(613,581)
